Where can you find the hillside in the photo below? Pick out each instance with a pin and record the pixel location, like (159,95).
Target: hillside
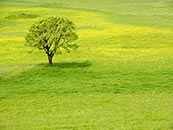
(120,77)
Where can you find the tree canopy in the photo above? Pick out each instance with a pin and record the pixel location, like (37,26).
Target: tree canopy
(52,34)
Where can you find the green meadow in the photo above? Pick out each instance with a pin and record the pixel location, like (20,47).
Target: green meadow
(120,78)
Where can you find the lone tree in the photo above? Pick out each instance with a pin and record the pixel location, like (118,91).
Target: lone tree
(52,34)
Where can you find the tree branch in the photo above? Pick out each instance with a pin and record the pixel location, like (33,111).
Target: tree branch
(56,44)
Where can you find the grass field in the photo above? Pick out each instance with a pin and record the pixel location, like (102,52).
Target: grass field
(121,77)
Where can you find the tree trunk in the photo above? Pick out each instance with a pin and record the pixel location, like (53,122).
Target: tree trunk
(50,59)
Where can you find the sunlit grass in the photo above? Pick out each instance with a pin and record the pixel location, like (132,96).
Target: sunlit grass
(119,78)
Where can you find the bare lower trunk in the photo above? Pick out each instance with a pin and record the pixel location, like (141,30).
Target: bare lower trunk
(50,59)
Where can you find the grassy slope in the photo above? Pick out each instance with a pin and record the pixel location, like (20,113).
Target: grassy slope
(120,78)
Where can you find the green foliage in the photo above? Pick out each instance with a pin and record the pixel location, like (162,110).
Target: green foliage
(51,34)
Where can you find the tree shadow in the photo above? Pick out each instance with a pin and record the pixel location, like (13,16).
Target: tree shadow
(68,64)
